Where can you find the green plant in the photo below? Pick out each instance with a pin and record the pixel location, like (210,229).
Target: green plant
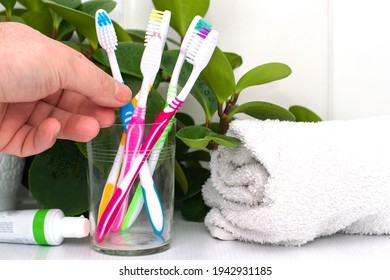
(58,179)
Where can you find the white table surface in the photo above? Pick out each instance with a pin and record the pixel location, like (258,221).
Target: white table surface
(192,241)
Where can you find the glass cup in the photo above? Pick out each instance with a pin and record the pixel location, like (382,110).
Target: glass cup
(138,237)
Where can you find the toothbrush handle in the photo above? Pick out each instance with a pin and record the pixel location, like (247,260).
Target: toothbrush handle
(111,182)
(161,122)
(135,132)
(126,113)
(152,200)
(138,199)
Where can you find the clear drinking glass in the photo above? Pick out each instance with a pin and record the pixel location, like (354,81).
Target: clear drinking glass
(139,238)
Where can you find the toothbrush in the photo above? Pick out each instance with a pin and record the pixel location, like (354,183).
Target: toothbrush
(198,24)
(108,41)
(198,55)
(157,27)
(150,64)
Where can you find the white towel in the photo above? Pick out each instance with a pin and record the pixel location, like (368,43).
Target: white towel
(290,183)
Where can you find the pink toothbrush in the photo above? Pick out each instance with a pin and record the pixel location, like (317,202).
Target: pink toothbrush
(158,25)
(150,64)
(199,56)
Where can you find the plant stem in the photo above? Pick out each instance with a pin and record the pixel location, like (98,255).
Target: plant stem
(8,15)
(223,114)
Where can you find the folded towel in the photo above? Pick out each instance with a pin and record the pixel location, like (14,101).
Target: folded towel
(289,183)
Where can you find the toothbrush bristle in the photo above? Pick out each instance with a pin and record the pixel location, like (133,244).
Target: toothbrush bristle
(203,32)
(158,25)
(156,15)
(103,19)
(106,32)
(200,49)
(202,23)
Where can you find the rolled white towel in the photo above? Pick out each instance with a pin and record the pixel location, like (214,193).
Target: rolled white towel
(303,181)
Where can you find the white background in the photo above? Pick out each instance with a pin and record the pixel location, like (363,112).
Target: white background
(338,50)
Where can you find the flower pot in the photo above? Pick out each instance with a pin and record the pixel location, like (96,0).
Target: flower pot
(11,172)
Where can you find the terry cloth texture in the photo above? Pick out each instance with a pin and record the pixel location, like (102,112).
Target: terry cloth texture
(291,182)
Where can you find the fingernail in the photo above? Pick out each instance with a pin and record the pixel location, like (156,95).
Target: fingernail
(122,92)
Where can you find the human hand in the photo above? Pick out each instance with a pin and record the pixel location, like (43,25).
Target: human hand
(49,91)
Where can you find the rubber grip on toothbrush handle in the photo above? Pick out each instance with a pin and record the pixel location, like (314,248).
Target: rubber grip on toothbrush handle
(126,113)
(134,134)
(159,125)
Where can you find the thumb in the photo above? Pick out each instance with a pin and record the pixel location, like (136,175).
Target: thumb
(82,76)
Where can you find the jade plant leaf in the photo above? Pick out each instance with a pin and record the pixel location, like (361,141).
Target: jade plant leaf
(303,114)
(263,74)
(199,137)
(33,5)
(128,55)
(234,59)
(263,111)
(13,19)
(181,178)
(85,23)
(73,4)
(197,155)
(58,179)
(90,7)
(193,207)
(218,76)
(183,11)
(39,20)
(8,4)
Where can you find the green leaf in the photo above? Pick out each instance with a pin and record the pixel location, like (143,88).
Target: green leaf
(137,36)
(194,209)
(73,45)
(224,140)
(33,5)
(194,136)
(303,114)
(199,136)
(198,176)
(129,56)
(73,4)
(8,4)
(218,76)
(184,118)
(90,7)
(183,11)
(58,179)
(263,111)
(65,31)
(198,155)
(85,23)
(181,178)
(39,20)
(263,74)
(235,60)
(13,19)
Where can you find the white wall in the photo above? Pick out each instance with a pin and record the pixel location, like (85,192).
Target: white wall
(338,50)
